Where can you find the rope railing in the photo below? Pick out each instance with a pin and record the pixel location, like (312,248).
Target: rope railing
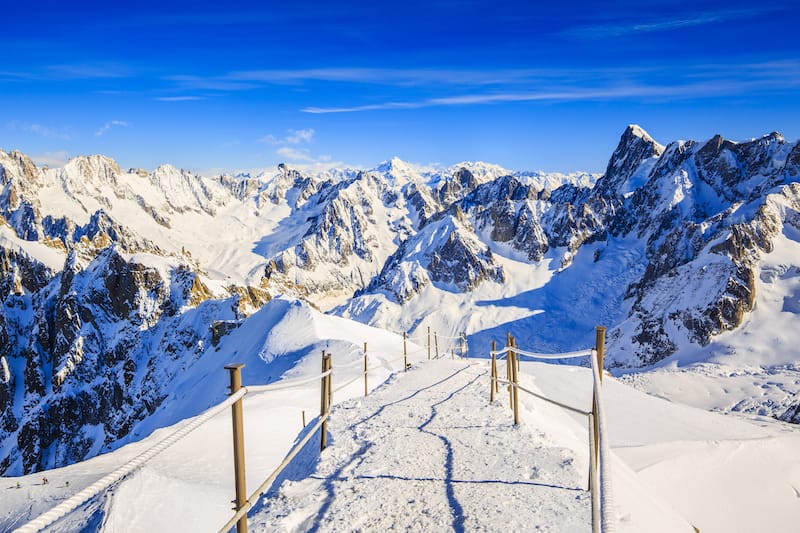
(603,515)
(283,384)
(603,451)
(243,505)
(234,401)
(545,398)
(360,375)
(457,337)
(536,355)
(72,503)
(599,448)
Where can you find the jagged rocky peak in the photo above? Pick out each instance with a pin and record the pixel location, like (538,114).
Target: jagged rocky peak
(185,191)
(241,186)
(635,146)
(20,273)
(456,186)
(94,167)
(446,252)
(503,188)
(15,165)
(292,186)
(395,165)
(737,170)
(399,171)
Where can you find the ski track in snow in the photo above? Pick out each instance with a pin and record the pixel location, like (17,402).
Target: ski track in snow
(429,453)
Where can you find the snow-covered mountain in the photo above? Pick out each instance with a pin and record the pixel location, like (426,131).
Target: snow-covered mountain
(114,283)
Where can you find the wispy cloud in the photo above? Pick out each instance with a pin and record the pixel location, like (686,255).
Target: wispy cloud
(179,98)
(108,125)
(683,82)
(292,147)
(300,136)
(294,154)
(211,83)
(292,137)
(51,159)
(87,71)
(396,77)
(63,134)
(675,23)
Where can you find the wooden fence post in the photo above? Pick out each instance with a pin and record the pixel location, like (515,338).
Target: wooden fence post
(493,382)
(235,371)
(436,343)
(365,369)
(600,346)
(429,343)
(599,354)
(303,414)
(324,398)
(405,352)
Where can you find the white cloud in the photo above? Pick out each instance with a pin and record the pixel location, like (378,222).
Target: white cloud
(51,159)
(294,154)
(88,71)
(300,136)
(179,98)
(62,134)
(293,137)
(108,125)
(689,82)
(685,21)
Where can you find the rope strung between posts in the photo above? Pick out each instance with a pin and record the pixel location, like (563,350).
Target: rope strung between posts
(600,482)
(286,384)
(355,363)
(451,338)
(607,514)
(72,503)
(565,355)
(134,464)
(545,398)
(360,375)
(69,505)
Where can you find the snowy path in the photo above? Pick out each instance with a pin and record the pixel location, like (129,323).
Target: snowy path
(428,453)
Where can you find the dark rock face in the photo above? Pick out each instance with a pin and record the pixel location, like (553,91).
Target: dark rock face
(445,252)
(689,217)
(458,264)
(634,147)
(461,183)
(89,372)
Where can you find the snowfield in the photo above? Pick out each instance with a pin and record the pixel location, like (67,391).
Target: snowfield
(426,450)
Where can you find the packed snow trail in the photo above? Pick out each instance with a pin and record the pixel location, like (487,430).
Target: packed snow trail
(429,453)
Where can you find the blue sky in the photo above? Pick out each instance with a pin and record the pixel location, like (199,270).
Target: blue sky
(247,85)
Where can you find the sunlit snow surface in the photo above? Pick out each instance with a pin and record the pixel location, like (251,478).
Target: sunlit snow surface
(676,465)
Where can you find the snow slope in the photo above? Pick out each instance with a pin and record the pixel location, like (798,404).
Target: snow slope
(428,452)
(282,340)
(427,449)
(720,472)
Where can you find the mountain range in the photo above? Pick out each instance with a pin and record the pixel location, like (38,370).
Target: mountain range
(117,285)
